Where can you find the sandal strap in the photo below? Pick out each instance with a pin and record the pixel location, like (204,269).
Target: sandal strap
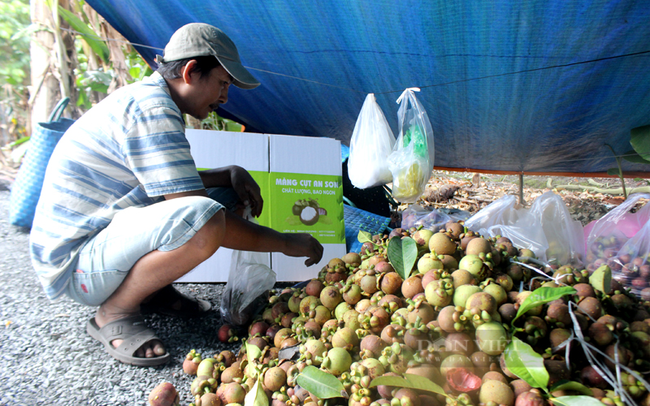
(124,328)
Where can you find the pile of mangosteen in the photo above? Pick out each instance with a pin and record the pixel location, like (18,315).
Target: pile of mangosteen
(419,318)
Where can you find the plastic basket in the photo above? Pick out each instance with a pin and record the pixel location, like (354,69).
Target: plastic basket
(26,189)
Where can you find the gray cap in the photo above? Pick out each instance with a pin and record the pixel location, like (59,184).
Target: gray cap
(199,39)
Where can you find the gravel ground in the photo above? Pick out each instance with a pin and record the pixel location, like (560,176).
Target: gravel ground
(46,356)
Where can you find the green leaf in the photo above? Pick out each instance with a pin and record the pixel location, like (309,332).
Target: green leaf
(614,172)
(99,87)
(541,296)
(422,383)
(321,384)
(93,40)
(571,385)
(601,279)
(632,156)
(82,100)
(134,71)
(409,381)
(640,140)
(397,381)
(577,401)
(253,352)
(364,236)
(524,362)
(402,254)
(256,396)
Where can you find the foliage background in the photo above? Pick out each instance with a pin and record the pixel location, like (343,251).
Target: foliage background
(98,61)
(14,66)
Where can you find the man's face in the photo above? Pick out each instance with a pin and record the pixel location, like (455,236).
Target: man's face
(208,92)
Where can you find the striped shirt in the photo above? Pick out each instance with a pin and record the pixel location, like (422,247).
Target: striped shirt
(127,151)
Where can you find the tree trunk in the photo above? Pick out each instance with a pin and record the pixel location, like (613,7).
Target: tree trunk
(53,60)
(44,90)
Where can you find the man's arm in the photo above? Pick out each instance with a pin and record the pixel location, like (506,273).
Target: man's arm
(240,180)
(218,177)
(244,235)
(247,236)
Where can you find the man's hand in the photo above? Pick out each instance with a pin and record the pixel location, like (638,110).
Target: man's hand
(247,189)
(303,245)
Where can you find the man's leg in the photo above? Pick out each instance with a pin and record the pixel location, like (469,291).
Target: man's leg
(142,251)
(156,270)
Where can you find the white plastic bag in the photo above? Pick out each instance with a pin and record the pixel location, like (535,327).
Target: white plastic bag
(411,161)
(371,144)
(248,286)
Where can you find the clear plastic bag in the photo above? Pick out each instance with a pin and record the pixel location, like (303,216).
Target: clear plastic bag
(607,235)
(621,240)
(565,236)
(503,217)
(546,228)
(411,161)
(371,144)
(500,211)
(631,266)
(416,216)
(247,290)
(248,286)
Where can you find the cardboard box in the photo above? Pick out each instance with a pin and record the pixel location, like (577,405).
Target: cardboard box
(290,170)
(304,168)
(214,149)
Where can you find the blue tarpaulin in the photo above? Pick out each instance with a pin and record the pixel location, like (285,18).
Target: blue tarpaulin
(532,86)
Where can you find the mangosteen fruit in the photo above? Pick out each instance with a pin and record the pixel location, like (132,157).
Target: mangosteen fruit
(441,244)
(275,378)
(412,286)
(478,246)
(530,398)
(455,361)
(337,361)
(496,391)
(491,338)
(462,277)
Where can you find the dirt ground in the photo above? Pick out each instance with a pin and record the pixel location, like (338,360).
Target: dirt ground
(587,199)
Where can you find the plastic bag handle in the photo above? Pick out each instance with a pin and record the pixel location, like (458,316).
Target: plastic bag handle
(58,109)
(408,89)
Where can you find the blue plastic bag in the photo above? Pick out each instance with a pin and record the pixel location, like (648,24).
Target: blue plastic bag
(26,189)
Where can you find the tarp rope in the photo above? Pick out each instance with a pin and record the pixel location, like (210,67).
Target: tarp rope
(401,90)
